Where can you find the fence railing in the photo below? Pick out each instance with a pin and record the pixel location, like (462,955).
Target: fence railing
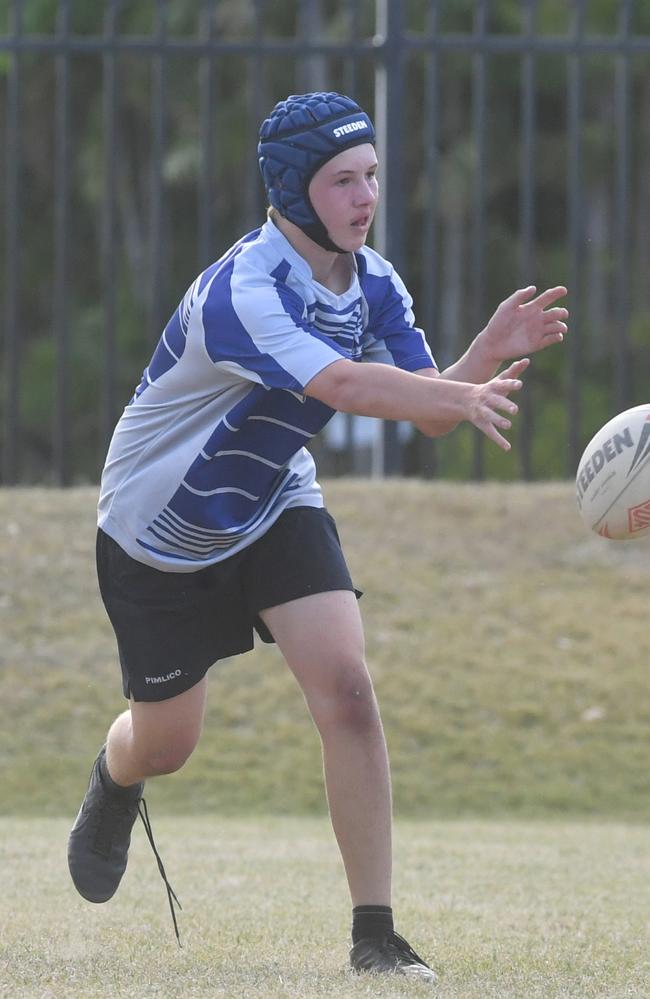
(514,145)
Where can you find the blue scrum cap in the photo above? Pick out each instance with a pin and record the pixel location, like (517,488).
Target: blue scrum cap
(301,134)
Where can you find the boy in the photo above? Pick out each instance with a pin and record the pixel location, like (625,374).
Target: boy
(212,524)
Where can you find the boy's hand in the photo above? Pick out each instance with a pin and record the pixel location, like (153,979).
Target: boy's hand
(524,325)
(487,399)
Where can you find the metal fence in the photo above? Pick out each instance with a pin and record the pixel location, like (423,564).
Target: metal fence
(464,94)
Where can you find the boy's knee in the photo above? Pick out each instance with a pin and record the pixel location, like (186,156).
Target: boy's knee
(349,701)
(167,757)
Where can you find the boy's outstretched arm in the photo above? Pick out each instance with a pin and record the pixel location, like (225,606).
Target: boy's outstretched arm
(392,394)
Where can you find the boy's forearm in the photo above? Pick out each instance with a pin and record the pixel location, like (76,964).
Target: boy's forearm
(390,393)
(476,365)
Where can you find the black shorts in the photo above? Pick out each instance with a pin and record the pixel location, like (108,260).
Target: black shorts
(172,626)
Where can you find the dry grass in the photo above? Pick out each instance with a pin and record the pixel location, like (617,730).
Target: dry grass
(509,651)
(503,910)
(510,656)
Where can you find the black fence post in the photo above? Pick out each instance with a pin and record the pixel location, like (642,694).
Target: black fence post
(13,259)
(62,184)
(479,207)
(206,187)
(527,218)
(389,220)
(158,231)
(109,223)
(576,237)
(622,214)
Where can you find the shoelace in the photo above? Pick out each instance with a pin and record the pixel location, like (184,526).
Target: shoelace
(403,948)
(171,894)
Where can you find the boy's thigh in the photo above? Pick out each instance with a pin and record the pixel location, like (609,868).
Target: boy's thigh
(320,637)
(175,722)
(316,626)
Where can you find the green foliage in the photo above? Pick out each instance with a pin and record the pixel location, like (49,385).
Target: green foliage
(243,90)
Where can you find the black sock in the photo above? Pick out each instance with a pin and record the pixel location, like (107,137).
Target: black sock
(371,921)
(118,790)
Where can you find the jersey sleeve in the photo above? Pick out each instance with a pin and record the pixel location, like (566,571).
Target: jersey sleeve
(391,336)
(256,326)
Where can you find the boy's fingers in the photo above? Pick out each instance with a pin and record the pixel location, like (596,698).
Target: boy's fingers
(506,385)
(553,331)
(553,315)
(551,295)
(522,295)
(494,435)
(515,368)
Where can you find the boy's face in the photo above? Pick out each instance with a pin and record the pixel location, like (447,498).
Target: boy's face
(344,195)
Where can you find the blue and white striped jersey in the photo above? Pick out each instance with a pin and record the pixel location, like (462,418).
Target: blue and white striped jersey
(211,449)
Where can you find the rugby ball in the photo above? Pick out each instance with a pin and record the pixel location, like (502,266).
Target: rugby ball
(613,478)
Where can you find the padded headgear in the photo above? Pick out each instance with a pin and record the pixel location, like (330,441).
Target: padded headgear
(301,134)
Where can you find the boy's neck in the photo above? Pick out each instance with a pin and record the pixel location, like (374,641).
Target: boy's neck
(332,270)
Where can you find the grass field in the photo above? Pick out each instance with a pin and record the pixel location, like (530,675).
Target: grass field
(510,654)
(532,910)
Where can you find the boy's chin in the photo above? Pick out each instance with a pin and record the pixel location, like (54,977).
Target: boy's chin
(352,241)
